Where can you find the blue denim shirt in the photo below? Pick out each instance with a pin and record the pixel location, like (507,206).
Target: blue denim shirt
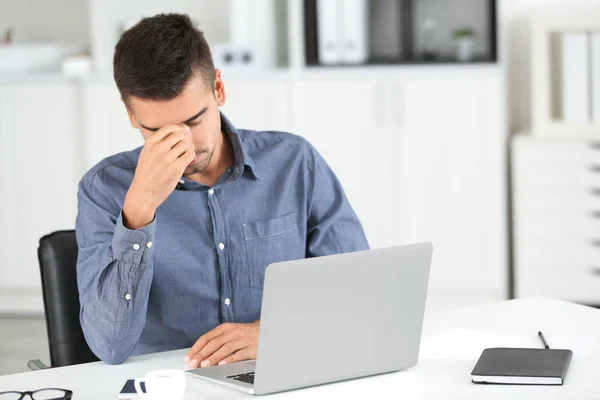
(202,261)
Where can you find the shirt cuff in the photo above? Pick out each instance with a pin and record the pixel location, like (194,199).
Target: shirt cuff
(133,246)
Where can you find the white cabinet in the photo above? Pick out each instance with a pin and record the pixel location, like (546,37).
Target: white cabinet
(259,103)
(556,218)
(421,159)
(449,181)
(340,118)
(40,164)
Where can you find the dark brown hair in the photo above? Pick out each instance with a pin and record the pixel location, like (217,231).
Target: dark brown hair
(156,58)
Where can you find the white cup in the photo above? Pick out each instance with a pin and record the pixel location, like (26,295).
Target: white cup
(162,384)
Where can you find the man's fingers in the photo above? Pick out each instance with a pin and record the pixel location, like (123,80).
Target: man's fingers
(172,140)
(212,347)
(166,144)
(179,150)
(164,132)
(185,159)
(204,339)
(199,345)
(201,342)
(225,351)
(240,355)
(196,358)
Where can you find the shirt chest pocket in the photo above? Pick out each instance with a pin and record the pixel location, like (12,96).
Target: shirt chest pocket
(269,241)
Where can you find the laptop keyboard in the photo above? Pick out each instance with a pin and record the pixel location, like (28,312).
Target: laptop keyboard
(248,377)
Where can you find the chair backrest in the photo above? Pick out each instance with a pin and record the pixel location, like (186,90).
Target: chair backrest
(57,255)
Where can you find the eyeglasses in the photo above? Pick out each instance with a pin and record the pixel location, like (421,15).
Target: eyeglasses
(40,394)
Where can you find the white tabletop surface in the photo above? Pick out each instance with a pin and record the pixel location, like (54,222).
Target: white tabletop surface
(452,341)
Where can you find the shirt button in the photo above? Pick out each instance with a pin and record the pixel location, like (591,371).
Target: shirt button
(221,246)
(149,244)
(227,302)
(211,191)
(181,181)
(127,296)
(136,246)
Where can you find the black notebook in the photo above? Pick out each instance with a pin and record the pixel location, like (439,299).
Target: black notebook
(522,366)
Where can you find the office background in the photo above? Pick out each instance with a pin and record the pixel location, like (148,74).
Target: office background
(428,148)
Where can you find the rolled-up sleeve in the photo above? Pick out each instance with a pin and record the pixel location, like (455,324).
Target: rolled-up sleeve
(114,274)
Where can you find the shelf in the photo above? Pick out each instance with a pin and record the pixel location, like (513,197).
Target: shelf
(408,61)
(397,32)
(384,71)
(407,70)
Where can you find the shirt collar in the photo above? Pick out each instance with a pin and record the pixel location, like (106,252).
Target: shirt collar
(243,161)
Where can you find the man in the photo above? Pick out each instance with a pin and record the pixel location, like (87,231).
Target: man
(174,237)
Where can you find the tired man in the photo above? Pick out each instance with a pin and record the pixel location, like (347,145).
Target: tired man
(174,237)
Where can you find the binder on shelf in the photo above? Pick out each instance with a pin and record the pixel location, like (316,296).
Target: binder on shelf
(355,34)
(253,33)
(329,29)
(575,78)
(343,31)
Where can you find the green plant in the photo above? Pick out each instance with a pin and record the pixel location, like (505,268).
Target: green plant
(463,32)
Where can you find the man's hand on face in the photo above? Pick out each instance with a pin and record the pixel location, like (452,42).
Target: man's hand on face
(227,343)
(163,159)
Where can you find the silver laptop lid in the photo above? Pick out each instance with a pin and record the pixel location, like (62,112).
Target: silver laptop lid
(343,316)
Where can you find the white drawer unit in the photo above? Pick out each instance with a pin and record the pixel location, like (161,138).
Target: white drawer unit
(556,218)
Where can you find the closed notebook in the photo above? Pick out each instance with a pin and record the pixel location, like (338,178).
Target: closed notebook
(522,366)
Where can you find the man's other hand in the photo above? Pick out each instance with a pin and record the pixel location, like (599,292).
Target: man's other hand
(227,343)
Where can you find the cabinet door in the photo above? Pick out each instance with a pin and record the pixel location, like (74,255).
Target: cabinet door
(341,119)
(40,166)
(448,185)
(258,104)
(107,128)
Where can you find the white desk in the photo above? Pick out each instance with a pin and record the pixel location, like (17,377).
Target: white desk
(442,372)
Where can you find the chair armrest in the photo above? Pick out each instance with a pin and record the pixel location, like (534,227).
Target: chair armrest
(36,365)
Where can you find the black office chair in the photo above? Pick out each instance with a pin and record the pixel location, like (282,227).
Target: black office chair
(57,255)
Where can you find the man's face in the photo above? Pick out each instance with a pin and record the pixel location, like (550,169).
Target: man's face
(197,107)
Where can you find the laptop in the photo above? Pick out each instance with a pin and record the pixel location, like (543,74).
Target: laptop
(334,318)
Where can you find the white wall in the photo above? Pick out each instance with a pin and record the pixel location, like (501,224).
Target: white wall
(45,20)
(515,16)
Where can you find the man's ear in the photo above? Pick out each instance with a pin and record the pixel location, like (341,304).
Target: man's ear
(219,89)
(132,120)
